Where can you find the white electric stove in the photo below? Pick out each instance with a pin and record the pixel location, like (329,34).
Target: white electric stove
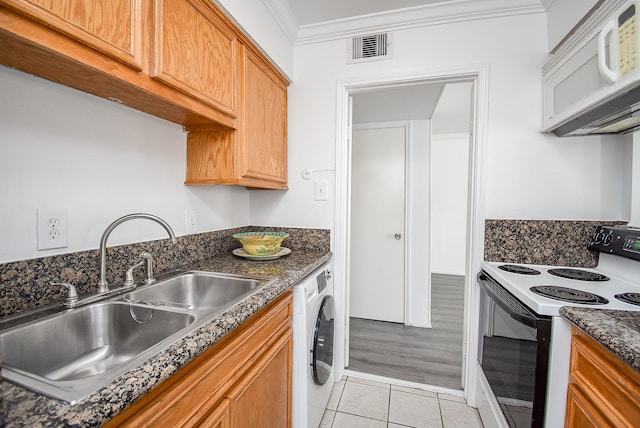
(525,344)
(585,287)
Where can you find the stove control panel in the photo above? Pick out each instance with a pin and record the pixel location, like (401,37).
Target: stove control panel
(617,240)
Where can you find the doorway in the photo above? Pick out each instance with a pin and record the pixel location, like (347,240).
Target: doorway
(425,346)
(473,247)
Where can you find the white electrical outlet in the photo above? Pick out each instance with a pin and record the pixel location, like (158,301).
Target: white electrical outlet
(191,222)
(52,228)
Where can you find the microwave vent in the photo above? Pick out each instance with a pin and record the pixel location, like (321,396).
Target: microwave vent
(369,48)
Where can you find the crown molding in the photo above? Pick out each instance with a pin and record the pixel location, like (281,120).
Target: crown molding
(284,16)
(546,4)
(420,16)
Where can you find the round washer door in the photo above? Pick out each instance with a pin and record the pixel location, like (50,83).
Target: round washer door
(322,345)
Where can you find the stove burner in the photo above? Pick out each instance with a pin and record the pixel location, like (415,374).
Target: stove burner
(632,298)
(569,295)
(523,270)
(579,274)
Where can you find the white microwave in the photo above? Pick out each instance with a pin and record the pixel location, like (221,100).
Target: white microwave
(592,82)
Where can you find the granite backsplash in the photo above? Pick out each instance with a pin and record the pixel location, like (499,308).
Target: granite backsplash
(543,242)
(26,285)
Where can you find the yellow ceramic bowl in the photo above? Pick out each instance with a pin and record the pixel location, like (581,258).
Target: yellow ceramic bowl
(261,243)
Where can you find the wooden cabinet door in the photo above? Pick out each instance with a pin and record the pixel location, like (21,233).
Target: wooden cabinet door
(263,397)
(603,389)
(243,380)
(195,52)
(264,154)
(581,412)
(112,27)
(218,418)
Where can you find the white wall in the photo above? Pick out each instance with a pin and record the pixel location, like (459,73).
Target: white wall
(62,148)
(632,178)
(257,22)
(449,190)
(419,232)
(563,15)
(450,179)
(528,174)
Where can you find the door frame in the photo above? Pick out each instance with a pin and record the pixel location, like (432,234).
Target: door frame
(479,75)
(406,232)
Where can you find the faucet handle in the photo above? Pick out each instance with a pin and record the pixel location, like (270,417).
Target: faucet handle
(72,293)
(128,280)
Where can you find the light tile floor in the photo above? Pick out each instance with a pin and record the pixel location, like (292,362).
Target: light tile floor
(360,403)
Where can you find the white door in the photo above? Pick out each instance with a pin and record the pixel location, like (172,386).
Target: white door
(377,281)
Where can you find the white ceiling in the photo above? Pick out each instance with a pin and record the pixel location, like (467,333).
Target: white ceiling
(447,105)
(414,102)
(310,12)
(313,12)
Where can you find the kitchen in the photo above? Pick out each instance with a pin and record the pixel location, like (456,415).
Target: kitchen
(82,156)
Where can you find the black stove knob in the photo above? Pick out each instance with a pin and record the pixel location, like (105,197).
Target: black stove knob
(597,238)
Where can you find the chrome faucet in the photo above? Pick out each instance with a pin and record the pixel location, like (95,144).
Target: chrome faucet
(103,286)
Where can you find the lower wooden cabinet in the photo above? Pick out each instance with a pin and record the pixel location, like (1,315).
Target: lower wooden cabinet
(603,390)
(259,400)
(242,381)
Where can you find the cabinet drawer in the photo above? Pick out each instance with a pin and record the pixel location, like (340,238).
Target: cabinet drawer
(581,412)
(612,386)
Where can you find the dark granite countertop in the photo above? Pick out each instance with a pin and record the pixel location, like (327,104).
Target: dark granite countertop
(618,331)
(26,408)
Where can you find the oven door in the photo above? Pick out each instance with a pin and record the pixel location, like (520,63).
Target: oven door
(514,354)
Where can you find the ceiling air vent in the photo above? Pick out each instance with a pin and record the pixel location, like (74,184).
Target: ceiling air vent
(369,48)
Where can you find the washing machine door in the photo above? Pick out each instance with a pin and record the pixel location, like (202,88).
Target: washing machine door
(322,345)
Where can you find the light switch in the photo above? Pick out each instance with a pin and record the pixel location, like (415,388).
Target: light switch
(321,190)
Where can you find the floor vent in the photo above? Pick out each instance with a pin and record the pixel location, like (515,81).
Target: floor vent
(369,48)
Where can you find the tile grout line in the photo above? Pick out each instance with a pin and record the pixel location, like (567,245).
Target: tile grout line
(389,407)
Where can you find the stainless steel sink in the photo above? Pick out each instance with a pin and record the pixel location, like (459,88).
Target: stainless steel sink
(63,354)
(197,290)
(71,354)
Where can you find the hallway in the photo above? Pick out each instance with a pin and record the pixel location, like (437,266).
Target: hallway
(422,355)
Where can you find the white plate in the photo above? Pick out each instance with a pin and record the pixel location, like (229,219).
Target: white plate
(242,253)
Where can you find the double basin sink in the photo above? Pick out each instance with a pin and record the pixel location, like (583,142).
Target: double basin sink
(74,353)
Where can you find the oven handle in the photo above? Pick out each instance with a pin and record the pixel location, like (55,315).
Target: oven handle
(506,301)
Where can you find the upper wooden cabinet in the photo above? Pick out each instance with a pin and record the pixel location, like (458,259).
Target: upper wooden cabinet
(195,52)
(255,155)
(264,123)
(180,60)
(111,27)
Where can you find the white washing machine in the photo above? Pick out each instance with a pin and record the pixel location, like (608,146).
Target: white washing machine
(313,336)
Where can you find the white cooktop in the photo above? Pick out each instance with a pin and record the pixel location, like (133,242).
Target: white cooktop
(624,277)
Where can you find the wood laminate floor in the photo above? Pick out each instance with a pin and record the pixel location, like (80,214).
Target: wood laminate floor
(431,356)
